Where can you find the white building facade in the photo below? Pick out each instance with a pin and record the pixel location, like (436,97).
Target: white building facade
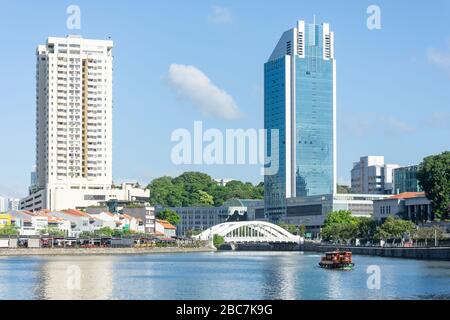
(73,125)
(13,204)
(370,175)
(3,204)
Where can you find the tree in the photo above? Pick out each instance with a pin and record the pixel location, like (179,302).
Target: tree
(341,216)
(343,189)
(87,234)
(204,198)
(340,226)
(168,215)
(434,178)
(52,232)
(236,217)
(218,241)
(199,189)
(163,192)
(394,228)
(8,230)
(428,233)
(340,232)
(191,233)
(104,232)
(302,230)
(366,228)
(291,228)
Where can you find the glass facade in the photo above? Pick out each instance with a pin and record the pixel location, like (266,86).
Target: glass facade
(275,118)
(405,180)
(314,119)
(299,96)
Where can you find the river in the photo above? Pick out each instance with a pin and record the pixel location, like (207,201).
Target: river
(219,275)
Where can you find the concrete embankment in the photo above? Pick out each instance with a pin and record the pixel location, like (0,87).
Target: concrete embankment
(431,253)
(96,251)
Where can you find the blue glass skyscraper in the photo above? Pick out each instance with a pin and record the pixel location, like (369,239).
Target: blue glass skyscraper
(300,102)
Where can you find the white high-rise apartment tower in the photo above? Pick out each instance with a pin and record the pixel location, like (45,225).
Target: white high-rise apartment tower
(73,124)
(74,113)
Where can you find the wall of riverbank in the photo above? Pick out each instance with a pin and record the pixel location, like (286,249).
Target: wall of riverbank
(97,251)
(431,253)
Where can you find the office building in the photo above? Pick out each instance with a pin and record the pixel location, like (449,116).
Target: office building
(405,180)
(74,126)
(300,102)
(370,175)
(202,218)
(312,211)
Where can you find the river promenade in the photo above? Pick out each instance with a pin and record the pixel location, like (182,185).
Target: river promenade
(430,253)
(98,251)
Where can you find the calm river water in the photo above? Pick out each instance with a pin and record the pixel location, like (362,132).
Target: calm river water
(225,275)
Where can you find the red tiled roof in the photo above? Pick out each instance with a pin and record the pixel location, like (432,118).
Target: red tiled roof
(166,224)
(50,217)
(74,212)
(39,213)
(408,195)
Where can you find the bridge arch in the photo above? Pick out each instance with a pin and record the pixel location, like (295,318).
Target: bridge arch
(249,232)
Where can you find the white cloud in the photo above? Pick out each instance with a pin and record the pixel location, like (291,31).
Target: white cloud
(193,85)
(221,15)
(439,58)
(393,125)
(438,120)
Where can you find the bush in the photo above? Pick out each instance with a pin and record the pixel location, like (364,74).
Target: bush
(8,231)
(218,241)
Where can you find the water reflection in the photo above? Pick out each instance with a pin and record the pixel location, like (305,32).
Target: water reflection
(229,275)
(76,278)
(279,274)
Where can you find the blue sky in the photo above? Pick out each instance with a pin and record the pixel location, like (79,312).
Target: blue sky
(393,84)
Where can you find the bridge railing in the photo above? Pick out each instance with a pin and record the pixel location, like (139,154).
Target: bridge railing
(258,240)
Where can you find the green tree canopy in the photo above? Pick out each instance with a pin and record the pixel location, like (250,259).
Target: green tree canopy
(8,230)
(105,232)
(366,228)
(291,228)
(434,178)
(343,189)
(199,189)
(204,198)
(428,233)
(340,226)
(52,232)
(168,215)
(341,216)
(394,227)
(218,241)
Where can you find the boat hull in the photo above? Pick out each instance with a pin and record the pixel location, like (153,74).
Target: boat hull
(337,266)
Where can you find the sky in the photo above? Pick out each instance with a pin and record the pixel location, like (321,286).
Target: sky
(176,62)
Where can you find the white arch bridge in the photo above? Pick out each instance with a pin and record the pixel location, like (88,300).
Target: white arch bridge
(249,232)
